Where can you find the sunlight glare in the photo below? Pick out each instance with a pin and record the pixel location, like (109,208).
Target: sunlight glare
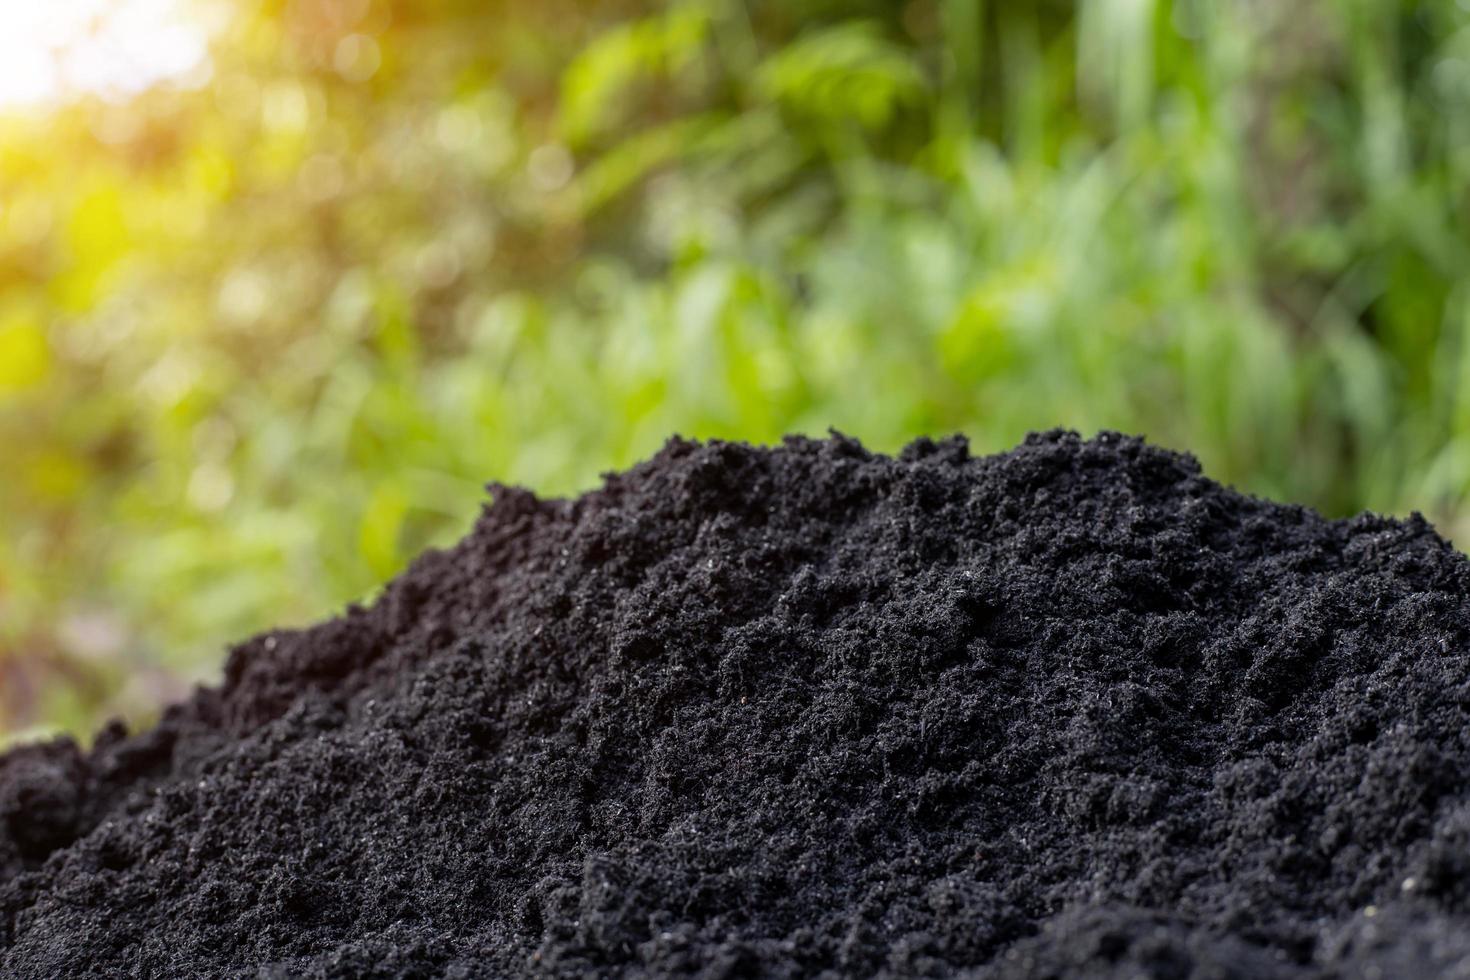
(54,49)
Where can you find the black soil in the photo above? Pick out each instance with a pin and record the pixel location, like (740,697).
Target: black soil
(1069,711)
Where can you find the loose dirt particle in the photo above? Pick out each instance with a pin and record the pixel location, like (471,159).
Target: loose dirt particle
(1069,711)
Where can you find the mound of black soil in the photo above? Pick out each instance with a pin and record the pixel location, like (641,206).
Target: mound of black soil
(1069,711)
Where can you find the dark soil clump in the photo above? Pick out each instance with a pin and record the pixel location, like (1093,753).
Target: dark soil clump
(1069,711)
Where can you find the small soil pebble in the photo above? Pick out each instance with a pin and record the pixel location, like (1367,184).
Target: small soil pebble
(806,711)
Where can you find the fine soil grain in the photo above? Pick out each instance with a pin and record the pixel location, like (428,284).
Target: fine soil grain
(1069,711)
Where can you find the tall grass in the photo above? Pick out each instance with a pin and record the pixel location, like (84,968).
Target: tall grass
(262,350)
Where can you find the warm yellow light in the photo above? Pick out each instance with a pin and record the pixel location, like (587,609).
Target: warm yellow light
(52,49)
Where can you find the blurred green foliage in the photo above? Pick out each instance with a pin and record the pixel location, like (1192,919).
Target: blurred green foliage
(263,339)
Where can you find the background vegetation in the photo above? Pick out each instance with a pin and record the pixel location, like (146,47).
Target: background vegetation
(264,335)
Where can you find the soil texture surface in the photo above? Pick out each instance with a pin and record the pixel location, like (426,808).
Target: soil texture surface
(1069,711)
